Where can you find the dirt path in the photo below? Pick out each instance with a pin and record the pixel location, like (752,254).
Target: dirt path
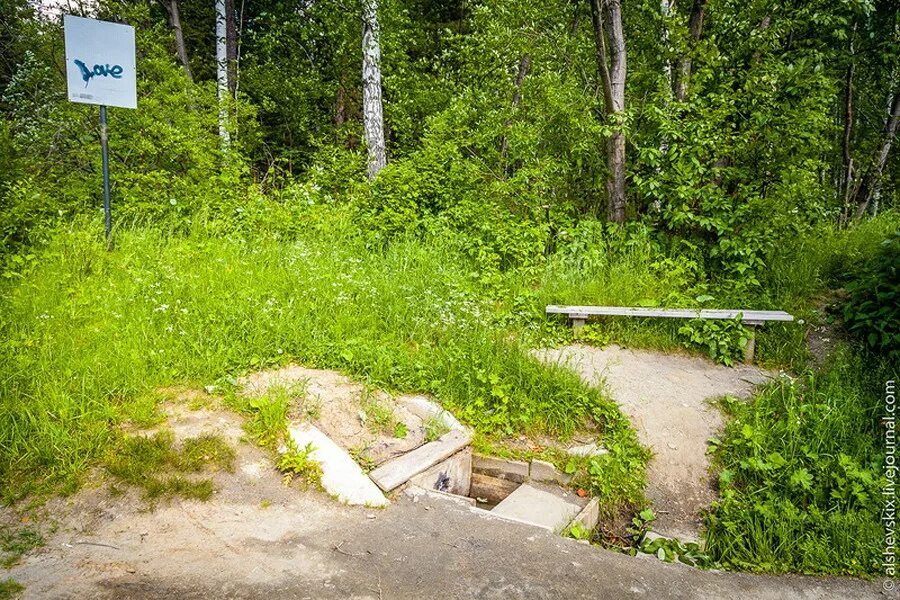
(666,397)
(257,538)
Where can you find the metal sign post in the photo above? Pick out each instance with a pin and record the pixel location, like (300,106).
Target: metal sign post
(107,211)
(100,69)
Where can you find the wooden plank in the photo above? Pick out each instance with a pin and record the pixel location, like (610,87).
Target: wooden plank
(403,468)
(579,312)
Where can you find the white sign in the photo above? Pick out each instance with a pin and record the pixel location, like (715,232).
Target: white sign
(100,63)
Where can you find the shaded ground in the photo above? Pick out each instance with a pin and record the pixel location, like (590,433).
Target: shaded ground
(666,396)
(257,538)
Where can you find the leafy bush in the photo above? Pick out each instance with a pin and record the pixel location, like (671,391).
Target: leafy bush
(801,475)
(724,341)
(872,311)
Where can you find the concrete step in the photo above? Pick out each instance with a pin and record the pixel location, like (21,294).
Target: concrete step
(542,506)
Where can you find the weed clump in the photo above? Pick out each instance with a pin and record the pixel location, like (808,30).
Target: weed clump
(16,542)
(155,465)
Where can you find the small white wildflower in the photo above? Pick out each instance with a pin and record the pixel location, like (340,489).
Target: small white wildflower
(173,201)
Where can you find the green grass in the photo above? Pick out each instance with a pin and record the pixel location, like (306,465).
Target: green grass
(154,464)
(14,542)
(802,474)
(87,335)
(10,588)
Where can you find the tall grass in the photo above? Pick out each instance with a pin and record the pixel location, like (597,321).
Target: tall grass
(87,335)
(802,474)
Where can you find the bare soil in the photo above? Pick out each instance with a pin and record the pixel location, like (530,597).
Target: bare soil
(257,538)
(667,397)
(336,404)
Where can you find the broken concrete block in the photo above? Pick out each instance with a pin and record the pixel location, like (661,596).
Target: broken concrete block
(453,476)
(425,409)
(511,470)
(542,470)
(589,515)
(403,468)
(538,507)
(341,476)
(587,450)
(492,490)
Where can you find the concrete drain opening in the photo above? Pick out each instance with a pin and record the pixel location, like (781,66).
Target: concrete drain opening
(530,493)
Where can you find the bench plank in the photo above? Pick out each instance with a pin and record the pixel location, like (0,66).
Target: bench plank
(748,316)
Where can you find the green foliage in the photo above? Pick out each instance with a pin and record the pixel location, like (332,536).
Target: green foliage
(670,549)
(872,311)
(154,464)
(267,422)
(170,309)
(435,427)
(206,450)
(801,475)
(10,588)
(296,463)
(14,542)
(723,340)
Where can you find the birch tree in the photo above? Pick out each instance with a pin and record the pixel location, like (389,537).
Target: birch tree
(695,29)
(373,114)
(870,182)
(606,16)
(222,71)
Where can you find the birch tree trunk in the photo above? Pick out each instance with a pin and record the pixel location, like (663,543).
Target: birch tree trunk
(606,16)
(231,46)
(180,47)
(373,115)
(222,72)
(871,180)
(695,28)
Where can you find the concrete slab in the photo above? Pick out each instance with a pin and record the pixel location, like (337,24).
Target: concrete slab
(528,504)
(425,408)
(341,476)
(453,475)
(511,470)
(542,470)
(587,450)
(589,515)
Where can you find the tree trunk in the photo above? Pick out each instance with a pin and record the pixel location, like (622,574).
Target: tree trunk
(340,114)
(222,72)
(373,115)
(231,46)
(180,47)
(871,180)
(695,28)
(846,157)
(524,65)
(606,16)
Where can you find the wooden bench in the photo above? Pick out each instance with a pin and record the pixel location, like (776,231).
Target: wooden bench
(579,314)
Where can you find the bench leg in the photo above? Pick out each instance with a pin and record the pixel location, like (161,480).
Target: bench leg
(577,324)
(750,348)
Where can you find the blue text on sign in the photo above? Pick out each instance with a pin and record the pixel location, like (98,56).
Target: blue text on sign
(114,71)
